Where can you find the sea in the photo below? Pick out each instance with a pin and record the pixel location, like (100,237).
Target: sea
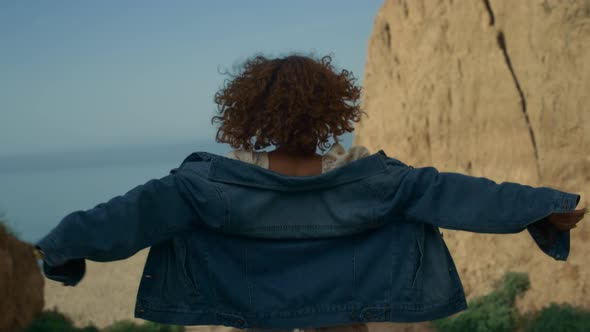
(37,191)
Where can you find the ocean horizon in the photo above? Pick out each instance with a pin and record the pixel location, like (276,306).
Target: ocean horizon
(38,190)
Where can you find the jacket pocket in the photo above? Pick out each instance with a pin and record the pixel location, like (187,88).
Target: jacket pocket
(419,253)
(189,282)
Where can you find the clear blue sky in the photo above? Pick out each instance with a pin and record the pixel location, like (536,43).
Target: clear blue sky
(89,74)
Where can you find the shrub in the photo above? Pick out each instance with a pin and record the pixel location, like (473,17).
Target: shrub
(492,312)
(155,327)
(53,321)
(558,318)
(129,326)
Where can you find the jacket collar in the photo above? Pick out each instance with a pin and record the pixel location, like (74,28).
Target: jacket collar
(227,170)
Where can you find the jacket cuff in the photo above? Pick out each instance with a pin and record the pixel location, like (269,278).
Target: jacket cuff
(69,274)
(50,248)
(565,202)
(551,240)
(57,267)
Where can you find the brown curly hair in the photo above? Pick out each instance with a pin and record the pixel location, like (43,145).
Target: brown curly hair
(295,102)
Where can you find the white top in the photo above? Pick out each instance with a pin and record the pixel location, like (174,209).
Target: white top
(336,156)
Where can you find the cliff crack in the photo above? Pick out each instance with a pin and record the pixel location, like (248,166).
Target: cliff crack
(388,36)
(490,11)
(502,44)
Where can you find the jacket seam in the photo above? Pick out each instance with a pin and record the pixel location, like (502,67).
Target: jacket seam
(282,188)
(225,203)
(352,308)
(515,227)
(353,291)
(248,281)
(272,228)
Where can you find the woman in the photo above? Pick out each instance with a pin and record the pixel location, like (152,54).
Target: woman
(290,237)
(295,103)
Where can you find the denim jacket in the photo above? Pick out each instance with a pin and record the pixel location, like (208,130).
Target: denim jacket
(234,244)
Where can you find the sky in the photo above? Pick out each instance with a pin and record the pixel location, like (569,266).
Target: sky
(85,75)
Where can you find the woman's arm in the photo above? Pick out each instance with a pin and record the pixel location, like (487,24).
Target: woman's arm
(477,204)
(119,228)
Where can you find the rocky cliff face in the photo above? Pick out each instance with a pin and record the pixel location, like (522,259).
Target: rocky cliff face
(21,283)
(496,89)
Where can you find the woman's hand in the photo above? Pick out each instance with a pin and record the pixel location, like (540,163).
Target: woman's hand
(567,220)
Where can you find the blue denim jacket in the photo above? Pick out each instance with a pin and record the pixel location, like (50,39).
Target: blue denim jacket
(239,245)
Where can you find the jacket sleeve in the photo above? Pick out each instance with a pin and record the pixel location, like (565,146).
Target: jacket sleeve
(477,204)
(145,215)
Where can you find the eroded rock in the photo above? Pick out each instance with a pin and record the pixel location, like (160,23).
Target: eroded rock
(496,89)
(21,283)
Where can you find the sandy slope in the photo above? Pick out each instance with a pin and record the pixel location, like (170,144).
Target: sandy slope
(106,294)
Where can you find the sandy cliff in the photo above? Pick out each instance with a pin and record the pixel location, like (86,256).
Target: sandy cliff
(496,89)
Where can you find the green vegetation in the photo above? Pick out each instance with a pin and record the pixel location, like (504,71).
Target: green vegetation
(492,312)
(54,321)
(125,326)
(557,318)
(495,312)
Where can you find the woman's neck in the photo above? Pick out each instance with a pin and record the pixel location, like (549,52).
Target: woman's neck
(282,152)
(295,163)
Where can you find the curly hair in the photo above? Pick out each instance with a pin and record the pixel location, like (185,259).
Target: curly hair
(295,102)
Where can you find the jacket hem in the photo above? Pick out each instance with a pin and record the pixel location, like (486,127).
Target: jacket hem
(363,314)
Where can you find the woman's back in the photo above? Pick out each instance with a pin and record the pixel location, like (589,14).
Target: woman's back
(311,165)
